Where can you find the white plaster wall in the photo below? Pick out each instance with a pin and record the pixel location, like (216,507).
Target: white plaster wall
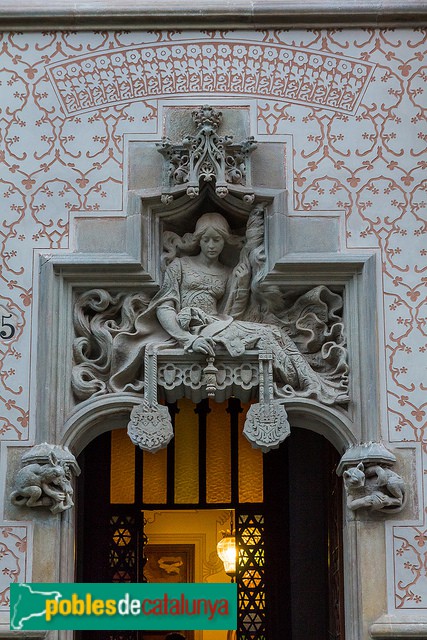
(351,103)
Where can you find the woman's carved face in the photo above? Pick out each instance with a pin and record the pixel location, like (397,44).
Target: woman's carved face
(211,243)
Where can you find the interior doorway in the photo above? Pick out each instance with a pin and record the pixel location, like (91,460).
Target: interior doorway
(287,514)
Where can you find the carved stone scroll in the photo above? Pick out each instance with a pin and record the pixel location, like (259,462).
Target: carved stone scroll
(368,480)
(45,478)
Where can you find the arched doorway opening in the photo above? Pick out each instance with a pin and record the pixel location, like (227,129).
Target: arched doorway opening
(287,507)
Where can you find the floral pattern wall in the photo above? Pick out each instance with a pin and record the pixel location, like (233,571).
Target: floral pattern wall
(352,100)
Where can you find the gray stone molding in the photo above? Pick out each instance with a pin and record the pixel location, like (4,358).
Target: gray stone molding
(399,628)
(170,14)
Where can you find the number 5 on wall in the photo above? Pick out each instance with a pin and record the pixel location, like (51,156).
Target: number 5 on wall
(7,330)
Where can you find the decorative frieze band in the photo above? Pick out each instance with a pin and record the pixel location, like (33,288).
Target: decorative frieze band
(236,67)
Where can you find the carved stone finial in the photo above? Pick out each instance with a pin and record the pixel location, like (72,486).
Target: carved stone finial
(45,478)
(207,116)
(166,198)
(369,481)
(208,157)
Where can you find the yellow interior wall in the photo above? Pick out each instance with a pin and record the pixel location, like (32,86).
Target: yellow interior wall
(201,528)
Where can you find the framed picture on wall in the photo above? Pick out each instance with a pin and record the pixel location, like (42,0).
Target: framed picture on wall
(171,564)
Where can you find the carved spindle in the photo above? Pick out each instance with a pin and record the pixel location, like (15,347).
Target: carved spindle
(209,373)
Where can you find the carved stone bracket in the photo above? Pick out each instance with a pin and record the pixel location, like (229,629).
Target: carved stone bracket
(45,478)
(208,157)
(368,480)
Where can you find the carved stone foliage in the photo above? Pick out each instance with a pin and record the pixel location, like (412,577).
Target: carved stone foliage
(45,478)
(207,157)
(368,480)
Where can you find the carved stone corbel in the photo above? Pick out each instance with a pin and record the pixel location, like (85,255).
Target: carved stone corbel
(368,480)
(45,478)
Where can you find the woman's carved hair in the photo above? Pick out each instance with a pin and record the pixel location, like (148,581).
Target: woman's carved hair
(189,244)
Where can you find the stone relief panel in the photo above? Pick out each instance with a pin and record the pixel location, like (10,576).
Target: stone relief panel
(365,161)
(204,305)
(212,302)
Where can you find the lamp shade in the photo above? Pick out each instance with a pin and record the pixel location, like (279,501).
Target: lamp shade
(227,551)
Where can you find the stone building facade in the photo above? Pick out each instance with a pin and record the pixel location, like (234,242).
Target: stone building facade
(335,105)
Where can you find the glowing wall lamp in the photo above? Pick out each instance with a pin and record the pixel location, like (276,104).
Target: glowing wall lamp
(227,551)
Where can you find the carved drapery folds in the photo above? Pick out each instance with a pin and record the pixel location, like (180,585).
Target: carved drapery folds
(207,157)
(369,481)
(45,478)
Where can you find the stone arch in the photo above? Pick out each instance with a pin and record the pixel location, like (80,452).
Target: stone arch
(95,416)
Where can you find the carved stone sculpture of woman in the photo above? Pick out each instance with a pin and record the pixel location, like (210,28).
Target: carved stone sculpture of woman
(205,306)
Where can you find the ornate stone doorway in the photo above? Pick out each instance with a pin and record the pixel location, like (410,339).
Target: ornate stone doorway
(287,506)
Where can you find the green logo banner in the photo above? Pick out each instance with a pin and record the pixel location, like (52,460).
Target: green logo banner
(101,606)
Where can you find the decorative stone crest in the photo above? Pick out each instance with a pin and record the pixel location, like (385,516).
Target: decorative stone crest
(266,424)
(45,478)
(368,480)
(150,425)
(208,157)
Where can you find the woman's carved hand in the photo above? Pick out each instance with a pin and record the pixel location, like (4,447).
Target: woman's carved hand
(204,345)
(243,275)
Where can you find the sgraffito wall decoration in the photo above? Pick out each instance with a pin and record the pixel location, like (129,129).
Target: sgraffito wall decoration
(352,100)
(13,560)
(230,67)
